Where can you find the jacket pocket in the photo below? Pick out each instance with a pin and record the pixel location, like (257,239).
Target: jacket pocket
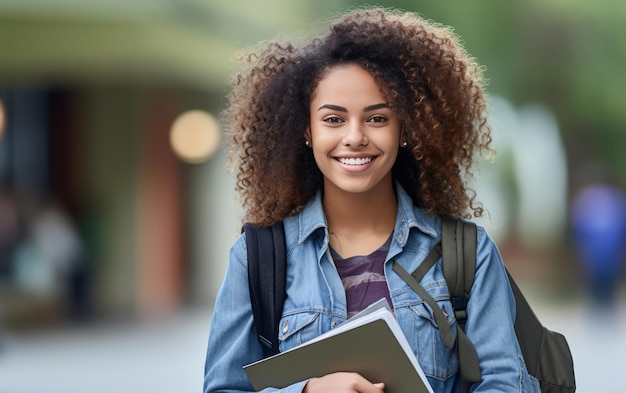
(297,328)
(437,360)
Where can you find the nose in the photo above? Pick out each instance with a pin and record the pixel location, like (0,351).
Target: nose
(355,135)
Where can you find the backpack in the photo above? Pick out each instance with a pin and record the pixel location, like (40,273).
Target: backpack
(546,353)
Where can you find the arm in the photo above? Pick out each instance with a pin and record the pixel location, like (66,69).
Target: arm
(232,340)
(490,325)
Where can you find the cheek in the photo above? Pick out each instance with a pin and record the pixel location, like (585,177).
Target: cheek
(320,154)
(391,145)
(323,163)
(324,140)
(393,155)
(392,151)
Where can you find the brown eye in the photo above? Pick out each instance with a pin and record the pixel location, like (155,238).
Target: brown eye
(333,119)
(377,119)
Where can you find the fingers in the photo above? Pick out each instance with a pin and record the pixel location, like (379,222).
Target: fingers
(343,383)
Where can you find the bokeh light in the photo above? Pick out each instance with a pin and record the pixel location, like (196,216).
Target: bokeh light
(195,136)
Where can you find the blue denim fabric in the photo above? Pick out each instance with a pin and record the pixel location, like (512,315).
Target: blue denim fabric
(316,303)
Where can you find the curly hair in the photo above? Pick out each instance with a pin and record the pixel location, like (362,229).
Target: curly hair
(423,71)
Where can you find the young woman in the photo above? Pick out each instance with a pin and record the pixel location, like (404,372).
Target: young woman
(359,141)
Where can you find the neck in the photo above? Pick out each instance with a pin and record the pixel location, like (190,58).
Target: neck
(361,222)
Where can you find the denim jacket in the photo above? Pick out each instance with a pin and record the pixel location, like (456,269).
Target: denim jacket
(316,303)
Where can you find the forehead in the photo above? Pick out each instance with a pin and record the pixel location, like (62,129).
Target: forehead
(347,81)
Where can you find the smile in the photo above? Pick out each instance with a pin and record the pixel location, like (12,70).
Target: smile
(355,161)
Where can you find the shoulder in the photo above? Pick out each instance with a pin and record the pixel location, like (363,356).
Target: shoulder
(484,242)
(239,250)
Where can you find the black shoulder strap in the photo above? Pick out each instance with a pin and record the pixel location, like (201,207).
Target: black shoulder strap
(458,249)
(459,262)
(267,281)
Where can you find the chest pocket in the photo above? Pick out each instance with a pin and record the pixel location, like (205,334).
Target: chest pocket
(430,325)
(297,328)
(436,359)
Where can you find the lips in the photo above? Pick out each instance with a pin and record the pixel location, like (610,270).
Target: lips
(355,161)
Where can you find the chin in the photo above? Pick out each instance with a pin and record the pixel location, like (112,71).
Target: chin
(361,187)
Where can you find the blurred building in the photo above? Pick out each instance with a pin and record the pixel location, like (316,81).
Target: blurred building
(100,216)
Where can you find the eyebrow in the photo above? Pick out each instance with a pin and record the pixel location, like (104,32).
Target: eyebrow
(342,109)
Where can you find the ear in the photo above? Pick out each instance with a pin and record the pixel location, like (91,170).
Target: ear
(307,134)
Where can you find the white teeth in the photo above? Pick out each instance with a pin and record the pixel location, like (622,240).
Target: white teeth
(355,161)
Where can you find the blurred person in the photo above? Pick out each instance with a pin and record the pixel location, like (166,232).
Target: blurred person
(599,233)
(55,235)
(359,141)
(48,261)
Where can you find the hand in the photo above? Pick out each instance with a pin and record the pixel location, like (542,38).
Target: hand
(343,382)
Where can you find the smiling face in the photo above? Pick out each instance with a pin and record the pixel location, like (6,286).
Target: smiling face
(354,133)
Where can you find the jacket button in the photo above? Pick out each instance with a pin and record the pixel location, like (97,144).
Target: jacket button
(286,327)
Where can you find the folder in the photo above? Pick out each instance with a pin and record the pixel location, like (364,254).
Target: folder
(371,343)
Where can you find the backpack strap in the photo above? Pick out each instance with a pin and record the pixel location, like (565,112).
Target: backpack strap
(459,262)
(442,322)
(458,240)
(267,271)
(458,249)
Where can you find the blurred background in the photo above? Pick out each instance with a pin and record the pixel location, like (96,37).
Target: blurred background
(117,212)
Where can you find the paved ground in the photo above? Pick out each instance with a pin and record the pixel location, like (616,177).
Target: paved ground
(598,344)
(151,356)
(167,356)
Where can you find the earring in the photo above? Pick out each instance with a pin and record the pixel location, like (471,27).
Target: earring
(307,143)
(404,144)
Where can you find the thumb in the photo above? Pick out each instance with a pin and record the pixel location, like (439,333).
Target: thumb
(380,385)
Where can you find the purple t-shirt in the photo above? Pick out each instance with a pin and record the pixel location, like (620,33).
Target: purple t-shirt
(363,278)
